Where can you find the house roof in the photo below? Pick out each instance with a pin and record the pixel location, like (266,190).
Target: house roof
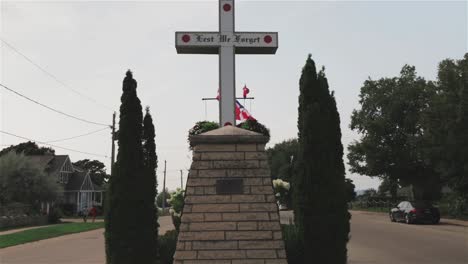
(75,182)
(57,164)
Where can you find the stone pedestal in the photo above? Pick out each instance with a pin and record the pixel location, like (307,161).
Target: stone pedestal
(230,214)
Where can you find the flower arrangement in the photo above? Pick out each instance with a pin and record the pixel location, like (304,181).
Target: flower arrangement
(281,189)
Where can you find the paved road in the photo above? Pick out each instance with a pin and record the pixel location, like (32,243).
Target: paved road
(374,239)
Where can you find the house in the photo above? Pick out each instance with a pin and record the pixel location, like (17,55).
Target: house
(79,190)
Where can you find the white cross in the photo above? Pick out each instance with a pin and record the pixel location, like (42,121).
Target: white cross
(226,43)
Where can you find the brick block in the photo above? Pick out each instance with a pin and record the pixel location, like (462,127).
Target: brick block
(262,189)
(189,217)
(192,182)
(247,226)
(207,262)
(203,245)
(242,198)
(247,261)
(263,164)
(196,156)
(259,155)
(260,147)
(274,216)
(197,165)
(234,164)
(222,156)
(180,245)
(188,245)
(201,236)
(273,225)
(212,173)
(248,235)
(253,181)
(270,198)
(248,173)
(263,254)
(277,235)
(281,253)
(272,244)
(214,147)
(213,217)
(246,147)
(213,226)
(215,208)
(258,207)
(209,190)
(245,216)
(274,261)
(200,199)
(221,254)
(182,254)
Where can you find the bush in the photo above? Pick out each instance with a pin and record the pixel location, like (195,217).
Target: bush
(177,202)
(294,245)
(55,213)
(255,126)
(202,127)
(167,246)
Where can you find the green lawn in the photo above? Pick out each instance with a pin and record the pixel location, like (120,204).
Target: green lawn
(46,232)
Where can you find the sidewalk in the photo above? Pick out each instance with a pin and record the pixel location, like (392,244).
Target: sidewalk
(65,220)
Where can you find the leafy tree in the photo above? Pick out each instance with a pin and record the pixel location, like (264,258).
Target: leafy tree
(446,126)
(28,148)
(150,186)
(128,229)
(392,133)
(350,193)
(23,181)
(320,172)
(96,169)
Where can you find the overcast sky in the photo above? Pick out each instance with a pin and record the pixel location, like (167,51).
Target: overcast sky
(88,46)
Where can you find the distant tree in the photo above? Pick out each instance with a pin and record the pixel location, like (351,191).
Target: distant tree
(96,168)
(388,186)
(350,193)
(23,181)
(281,157)
(167,196)
(126,225)
(368,193)
(320,172)
(392,133)
(150,186)
(28,148)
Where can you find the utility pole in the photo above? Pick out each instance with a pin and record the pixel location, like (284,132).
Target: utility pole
(113,143)
(164,189)
(181,181)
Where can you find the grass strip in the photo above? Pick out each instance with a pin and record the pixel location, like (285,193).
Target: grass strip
(41,233)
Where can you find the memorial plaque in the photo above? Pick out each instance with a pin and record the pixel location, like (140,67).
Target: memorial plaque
(229,186)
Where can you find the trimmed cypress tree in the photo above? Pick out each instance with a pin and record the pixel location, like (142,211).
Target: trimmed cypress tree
(129,230)
(151,163)
(320,206)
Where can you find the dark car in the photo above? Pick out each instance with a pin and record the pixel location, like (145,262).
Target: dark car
(415,212)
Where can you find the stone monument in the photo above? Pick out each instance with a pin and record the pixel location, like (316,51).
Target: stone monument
(230,214)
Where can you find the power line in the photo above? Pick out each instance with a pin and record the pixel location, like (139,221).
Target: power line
(55,146)
(82,135)
(52,109)
(53,76)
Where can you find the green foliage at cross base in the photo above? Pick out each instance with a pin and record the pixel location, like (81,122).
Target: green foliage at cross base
(255,126)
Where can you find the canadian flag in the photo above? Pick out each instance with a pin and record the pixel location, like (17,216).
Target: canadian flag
(245,91)
(241,113)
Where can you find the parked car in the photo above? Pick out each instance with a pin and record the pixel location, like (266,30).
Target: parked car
(413,212)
